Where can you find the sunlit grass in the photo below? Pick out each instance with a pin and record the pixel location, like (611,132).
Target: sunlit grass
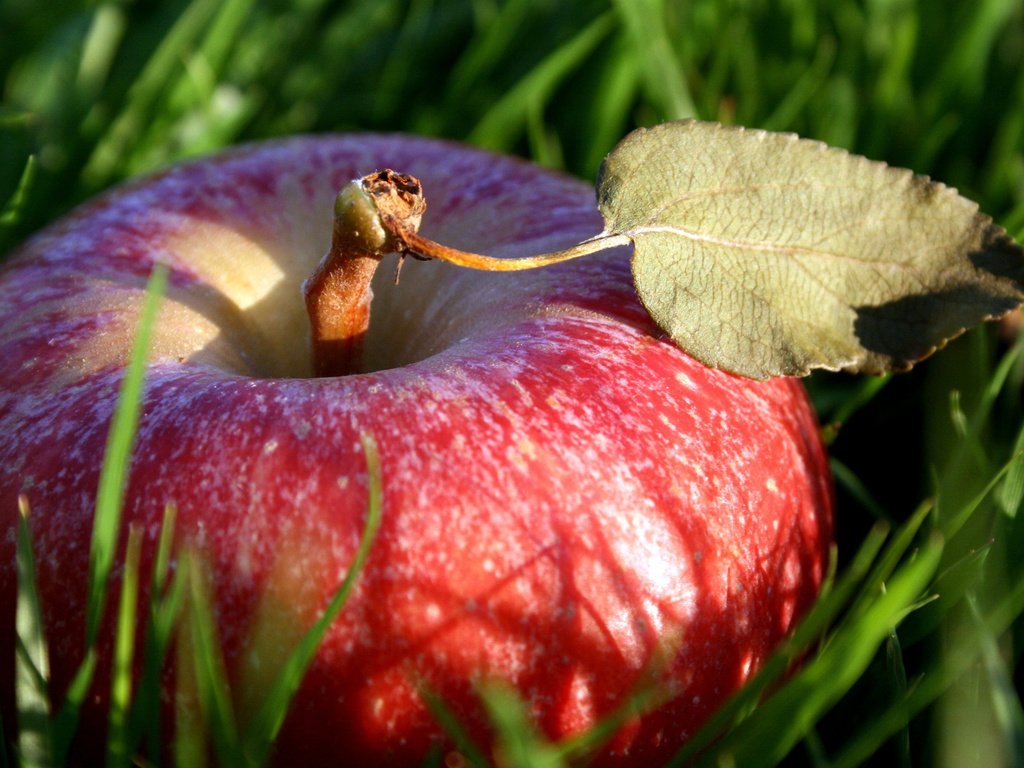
(910,656)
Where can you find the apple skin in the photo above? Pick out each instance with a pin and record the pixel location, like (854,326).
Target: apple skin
(565,491)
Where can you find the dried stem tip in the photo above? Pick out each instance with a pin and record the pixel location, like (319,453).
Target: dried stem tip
(398,200)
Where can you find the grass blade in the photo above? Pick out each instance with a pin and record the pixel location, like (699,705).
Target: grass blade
(774,728)
(518,744)
(118,745)
(846,478)
(507,117)
(190,734)
(487,50)
(11,212)
(113,477)
(266,724)
(955,522)
(32,664)
(448,720)
(618,76)
(898,546)
(663,76)
(107,521)
(1005,705)
(165,601)
(66,721)
(1011,492)
(648,693)
(115,148)
(814,78)
(897,671)
(830,604)
(201,664)
(961,654)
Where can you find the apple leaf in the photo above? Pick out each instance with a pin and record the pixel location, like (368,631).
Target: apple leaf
(765,254)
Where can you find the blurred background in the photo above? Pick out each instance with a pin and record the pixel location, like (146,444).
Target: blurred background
(97,92)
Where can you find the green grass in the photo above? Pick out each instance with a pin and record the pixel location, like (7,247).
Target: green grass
(912,655)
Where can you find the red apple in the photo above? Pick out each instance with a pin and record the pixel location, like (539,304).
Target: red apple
(565,491)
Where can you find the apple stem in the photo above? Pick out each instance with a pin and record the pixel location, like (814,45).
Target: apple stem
(338,293)
(374,216)
(338,299)
(421,246)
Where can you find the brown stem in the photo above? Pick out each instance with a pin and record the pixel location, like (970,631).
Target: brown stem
(422,246)
(338,293)
(373,216)
(338,299)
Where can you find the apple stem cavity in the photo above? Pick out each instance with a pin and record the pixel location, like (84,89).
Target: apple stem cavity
(374,216)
